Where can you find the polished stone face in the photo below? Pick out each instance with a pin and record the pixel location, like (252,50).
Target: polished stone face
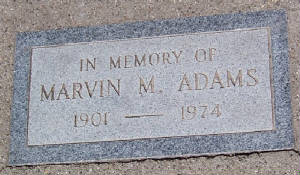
(173,85)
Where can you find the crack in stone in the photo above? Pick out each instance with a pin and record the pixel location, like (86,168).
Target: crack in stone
(296,151)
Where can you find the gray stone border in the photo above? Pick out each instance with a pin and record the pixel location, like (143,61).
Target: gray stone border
(281,138)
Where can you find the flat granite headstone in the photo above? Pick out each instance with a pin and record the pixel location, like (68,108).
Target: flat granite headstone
(155,89)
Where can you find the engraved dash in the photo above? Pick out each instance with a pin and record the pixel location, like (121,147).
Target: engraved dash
(143,115)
